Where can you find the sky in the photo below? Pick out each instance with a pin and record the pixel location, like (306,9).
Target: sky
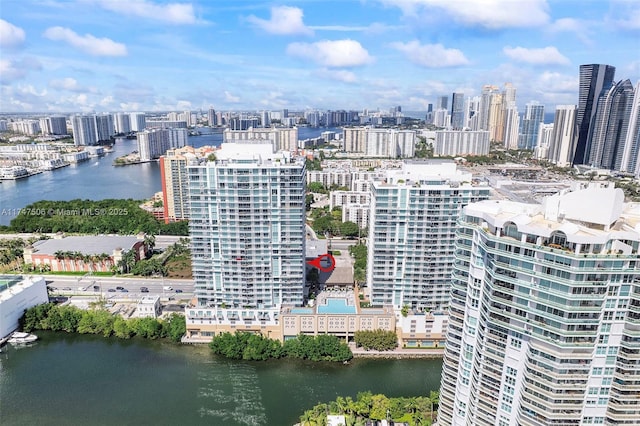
(239,55)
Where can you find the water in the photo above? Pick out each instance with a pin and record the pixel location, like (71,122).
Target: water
(97,178)
(79,380)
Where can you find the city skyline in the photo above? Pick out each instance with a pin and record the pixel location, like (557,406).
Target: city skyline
(142,55)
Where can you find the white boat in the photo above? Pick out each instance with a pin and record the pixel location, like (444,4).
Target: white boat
(20,338)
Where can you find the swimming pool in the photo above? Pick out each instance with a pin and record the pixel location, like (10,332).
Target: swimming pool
(336,306)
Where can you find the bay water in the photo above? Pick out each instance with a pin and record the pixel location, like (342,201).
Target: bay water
(66,379)
(98,179)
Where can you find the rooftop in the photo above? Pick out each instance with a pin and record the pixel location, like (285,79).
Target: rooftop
(90,245)
(10,285)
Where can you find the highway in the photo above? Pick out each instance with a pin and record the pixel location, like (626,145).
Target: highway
(66,285)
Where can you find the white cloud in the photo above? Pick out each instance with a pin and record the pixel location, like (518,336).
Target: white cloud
(14,70)
(339,75)
(183,105)
(87,43)
(431,55)
(541,56)
(284,20)
(580,28)
(107,101)
(492,14)
(556,82)
(230,98)
(173,13)
(328,53)
(68,83)
(10,35)
(631,22)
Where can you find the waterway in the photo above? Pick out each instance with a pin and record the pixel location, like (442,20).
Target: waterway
(78,380)
(98,179)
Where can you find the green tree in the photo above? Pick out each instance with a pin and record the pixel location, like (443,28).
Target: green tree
(349,229)
(379,340)
(121,329)
(317,187)
(174,327)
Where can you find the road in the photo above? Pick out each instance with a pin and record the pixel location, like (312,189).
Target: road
(69,285)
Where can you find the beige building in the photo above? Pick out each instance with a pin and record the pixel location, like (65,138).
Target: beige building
(173,174)
(422,330)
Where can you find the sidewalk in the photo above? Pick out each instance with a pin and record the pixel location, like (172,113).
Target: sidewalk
(396,353)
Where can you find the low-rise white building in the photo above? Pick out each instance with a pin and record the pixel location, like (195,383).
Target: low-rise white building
(149,307)
(17,294)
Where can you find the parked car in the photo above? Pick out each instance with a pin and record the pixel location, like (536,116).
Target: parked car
(178,290)
(96,287)
(167,288)
(124,290)
(119,288)
(112,290)
(144,290)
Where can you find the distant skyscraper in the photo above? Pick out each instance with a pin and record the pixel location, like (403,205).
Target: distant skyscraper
(104,127)
(442,102)
(594,78)
(264,119)
(485,105)
(511,127)
(441,117)
(530,125)
(457,111)
(543,319)
(137,121)
(122,123)
(152,143)
(212,118)
(471,113)
(564,136)
(57,125)
(545,136)
(631,151)
(84,130)
(608,131)
(412,227)
(509,95)
(428,118)
(496,118)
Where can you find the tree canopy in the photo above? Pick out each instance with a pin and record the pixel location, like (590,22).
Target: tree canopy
(109,216)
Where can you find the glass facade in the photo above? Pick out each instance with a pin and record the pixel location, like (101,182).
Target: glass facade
(544,322)
(247,230)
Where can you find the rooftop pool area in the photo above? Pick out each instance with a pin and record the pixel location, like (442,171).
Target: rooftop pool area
(336,306)
(301,310)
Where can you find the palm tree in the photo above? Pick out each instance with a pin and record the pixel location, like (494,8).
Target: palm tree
(149,242)
(434,399)
(60,257)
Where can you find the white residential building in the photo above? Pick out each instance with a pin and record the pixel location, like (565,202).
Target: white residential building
(148,307)
(152,143)
(412,232)
(84,130)
(18,293)
(137,121)
(461,142)
(564,136)
(391,143)
(281,138)
(544,315)
(247,227)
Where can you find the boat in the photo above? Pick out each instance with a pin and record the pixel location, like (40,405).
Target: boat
(20,338)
